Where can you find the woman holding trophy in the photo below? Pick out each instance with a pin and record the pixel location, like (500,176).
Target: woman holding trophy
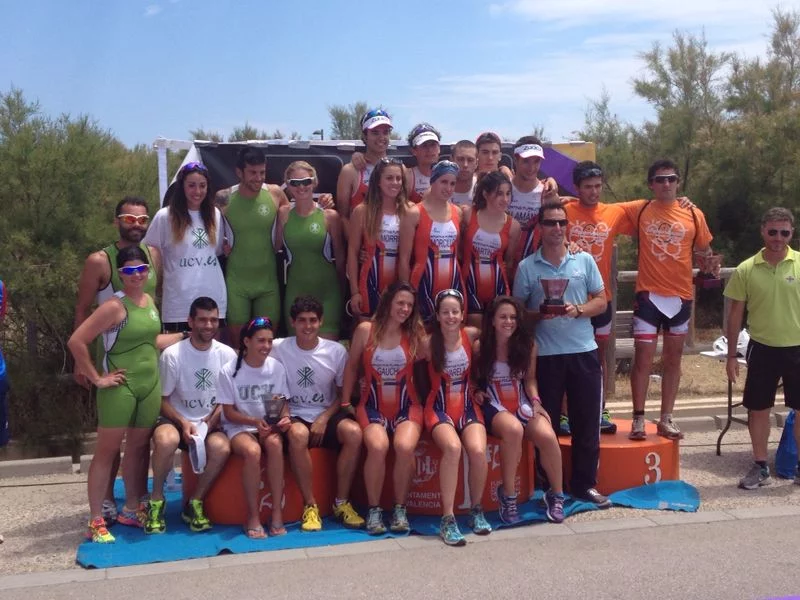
(252,390)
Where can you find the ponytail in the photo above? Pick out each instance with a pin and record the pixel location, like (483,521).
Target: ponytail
(239,356)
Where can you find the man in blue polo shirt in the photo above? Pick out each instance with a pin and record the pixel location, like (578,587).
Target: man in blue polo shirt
(568,359)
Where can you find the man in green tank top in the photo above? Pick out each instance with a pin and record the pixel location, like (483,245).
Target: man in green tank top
(252,272)
(100,280)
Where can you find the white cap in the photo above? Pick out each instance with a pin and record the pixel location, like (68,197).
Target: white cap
(197,448)
(527,150)
(373,122)
(425,136)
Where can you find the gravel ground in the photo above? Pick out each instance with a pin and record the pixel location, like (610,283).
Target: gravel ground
(43,518)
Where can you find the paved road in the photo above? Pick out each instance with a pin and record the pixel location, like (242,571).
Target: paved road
(730,559)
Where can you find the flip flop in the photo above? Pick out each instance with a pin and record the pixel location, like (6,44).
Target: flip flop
(255,533)
(276,531)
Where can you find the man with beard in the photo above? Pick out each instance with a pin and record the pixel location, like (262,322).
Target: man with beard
(100,280)
(189,408)
(252,273)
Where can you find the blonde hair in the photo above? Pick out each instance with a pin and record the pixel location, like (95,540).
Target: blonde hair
(300,164)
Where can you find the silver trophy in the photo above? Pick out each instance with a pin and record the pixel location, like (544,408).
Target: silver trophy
(273,407)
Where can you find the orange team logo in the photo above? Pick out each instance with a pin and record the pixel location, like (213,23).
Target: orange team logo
(665,238)
(591,237)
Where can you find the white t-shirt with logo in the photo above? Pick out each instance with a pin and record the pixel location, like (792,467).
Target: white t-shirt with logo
(191,268)
(189,377)
(248,390)
(313,375)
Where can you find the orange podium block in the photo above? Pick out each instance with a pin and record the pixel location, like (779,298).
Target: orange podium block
(424,497)
(627,463)
(225,502)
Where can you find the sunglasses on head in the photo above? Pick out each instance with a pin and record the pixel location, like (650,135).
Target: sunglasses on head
(260,323)
(299,182)
(194,166)
(138,269)
(784,232)
(553,222)
(129,219)
(665,178)
(391,161)
(593,172)
(451,293)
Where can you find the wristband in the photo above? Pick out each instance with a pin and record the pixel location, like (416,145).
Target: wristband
(536,399)
(345,405)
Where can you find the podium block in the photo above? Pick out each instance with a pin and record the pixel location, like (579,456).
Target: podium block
(225,502)
(424,497)
(627,463)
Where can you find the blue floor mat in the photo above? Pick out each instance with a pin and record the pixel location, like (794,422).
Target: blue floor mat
(133,547)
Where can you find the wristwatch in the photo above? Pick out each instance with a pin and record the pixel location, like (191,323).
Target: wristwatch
(578,308)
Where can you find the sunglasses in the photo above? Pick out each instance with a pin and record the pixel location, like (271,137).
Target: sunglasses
(129,219)
(259,323)
(784,232)
(451,293)
(137,270)
(194,166)
(391,161)
(553,222)
(299,182)
(666,178)
(593,172)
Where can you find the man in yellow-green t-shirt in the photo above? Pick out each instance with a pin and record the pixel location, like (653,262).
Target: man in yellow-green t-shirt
(768,286)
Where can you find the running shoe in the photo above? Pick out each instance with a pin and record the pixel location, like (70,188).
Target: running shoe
(508,512)
(606,424)
(667,428)
(311,519)
(637,429)
(98,533)
(109,512)
(563,426)
(595,497)
(375,525)
(348,516)
(756,477)
(450,533)
(132,518)
(194,516)
(554,506)
(399,522)
(477,521)
(155,521)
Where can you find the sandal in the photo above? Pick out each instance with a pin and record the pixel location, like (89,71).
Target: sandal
(255,533)
(276,531)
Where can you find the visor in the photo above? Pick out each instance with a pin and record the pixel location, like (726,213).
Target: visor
(197,448)
(528,150)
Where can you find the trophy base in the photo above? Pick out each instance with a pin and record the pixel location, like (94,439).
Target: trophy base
(553,309)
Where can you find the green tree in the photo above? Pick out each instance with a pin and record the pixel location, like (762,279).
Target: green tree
(346,120)
(202,134)
(61,178)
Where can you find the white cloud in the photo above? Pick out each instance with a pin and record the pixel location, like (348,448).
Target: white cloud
(152,10)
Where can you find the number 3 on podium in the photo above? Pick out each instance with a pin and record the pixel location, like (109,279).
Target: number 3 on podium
(653,462)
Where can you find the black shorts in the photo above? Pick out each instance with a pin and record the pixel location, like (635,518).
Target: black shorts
(766,365)
(648,320)
(330,439)
(602,320)
(180,327)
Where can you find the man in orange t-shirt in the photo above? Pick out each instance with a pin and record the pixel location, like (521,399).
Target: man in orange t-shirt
(593,225)
(668,236)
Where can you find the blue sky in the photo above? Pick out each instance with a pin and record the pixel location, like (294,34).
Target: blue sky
(154,68)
